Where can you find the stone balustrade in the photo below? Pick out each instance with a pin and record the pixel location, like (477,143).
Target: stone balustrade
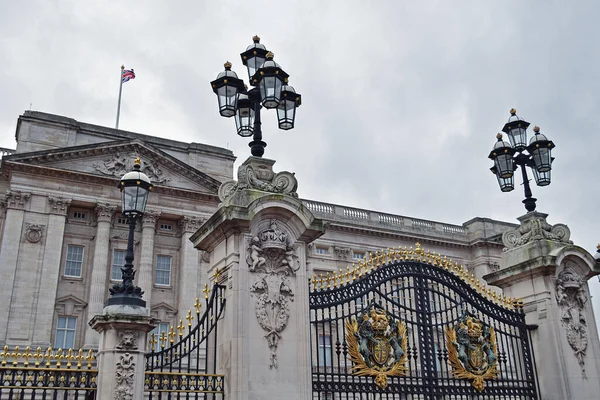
(333,212)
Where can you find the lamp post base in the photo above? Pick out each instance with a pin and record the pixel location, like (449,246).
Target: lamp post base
(257,148)
(123,299)
(530,204)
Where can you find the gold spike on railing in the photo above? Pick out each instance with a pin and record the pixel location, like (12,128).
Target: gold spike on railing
(180,328)
(4,355)
(172,334)
(197,305)
(217,275)
(163,339)
(189,317)
(206,290)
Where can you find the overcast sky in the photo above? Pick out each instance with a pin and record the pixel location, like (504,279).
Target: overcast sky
(401,99)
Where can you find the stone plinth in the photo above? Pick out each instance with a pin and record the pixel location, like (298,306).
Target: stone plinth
(257,239)
(121,362)
(543,267)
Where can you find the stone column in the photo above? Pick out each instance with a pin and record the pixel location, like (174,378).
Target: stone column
(9,253)
(42,332)
(189,273)
(543,267)
(105,213)
(146,264)
(123,335)
(258,240)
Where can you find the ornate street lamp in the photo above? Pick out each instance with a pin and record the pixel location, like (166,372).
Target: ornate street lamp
(271,91)
(135,187)
(508,157)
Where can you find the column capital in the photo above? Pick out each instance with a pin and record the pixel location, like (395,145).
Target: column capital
(190,224)
(59,205)
(105,212)
(16,199)
(150,218)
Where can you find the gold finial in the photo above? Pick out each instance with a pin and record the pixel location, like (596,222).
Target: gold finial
(90,358)
(216,275)
(256,39)
(536,129)
(499,136)
(189,317)
(122,67)
(270,55)
(163,339)
(227,65)
(180,327)
(206,290)
(138,161)
(197,305)
(513,111)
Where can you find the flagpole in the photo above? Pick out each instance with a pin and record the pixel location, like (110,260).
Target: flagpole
(120,90)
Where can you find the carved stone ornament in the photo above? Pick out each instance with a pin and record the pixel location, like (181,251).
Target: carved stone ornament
(125,375)
(534,227)
(34,232)
(257,173)
(150,218)
(472,350)
(16,199)
(127,340)
(190,224)
(105,212)
(571,298)
(377,345)
(118,165)
(341,253)
(272,258)
(59,205)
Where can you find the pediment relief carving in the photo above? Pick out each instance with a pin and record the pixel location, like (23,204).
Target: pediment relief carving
(163,311)
(114,160)
(69,305)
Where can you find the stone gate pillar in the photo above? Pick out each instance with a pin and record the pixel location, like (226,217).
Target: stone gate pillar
(541,266)
(257,239)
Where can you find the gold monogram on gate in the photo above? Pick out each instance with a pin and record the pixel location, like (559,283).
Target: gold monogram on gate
(377,345)
(472,350)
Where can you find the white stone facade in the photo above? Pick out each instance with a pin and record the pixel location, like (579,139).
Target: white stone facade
(62,181)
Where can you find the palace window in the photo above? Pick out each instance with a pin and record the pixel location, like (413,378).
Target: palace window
(74,261)
(165,227)
(358,255)
(79,215)
(117,264)
(324,356)
(163,270)
(321,250)
(65,332)
(122,221)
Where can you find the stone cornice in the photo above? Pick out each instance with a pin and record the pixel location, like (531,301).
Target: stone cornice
(395,235)
(59,205)
(144,150)
(190,224)
(44,171)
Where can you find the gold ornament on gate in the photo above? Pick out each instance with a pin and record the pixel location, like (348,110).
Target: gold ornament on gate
(377,344)
(472,350)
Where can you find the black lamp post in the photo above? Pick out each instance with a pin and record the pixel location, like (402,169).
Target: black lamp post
(134,187)
(271,91)
(508,157)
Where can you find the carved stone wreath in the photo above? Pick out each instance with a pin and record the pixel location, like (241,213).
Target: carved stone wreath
(34,232)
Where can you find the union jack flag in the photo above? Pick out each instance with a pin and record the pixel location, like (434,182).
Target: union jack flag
(127,75)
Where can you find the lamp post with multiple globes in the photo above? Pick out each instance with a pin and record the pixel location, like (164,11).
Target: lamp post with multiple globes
(271,90)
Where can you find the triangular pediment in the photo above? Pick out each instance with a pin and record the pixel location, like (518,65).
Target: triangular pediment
(113,159)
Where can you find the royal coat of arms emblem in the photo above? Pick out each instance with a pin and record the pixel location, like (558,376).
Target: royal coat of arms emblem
(377,344)
(472,350)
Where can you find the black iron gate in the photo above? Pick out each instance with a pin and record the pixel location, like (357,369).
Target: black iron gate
(182,362)
(409,324)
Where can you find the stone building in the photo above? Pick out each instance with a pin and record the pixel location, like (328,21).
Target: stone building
(63,239)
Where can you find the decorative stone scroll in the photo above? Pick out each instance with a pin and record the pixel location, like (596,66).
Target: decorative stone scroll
(59,205)
(16,199)
(118,165)
(341,253)
(272,257)
(125,375)
(534,227)
(257,173)
(571,298)
(34,232)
